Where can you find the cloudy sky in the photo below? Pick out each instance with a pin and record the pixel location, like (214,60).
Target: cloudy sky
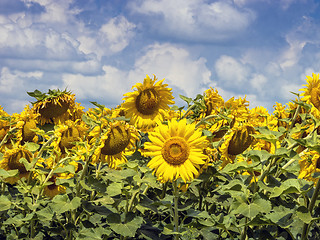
(98,49)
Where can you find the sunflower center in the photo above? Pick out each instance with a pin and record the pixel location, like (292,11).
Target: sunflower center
(148,101)
(240,141)
(13,160)
(315,97)
(68,137)
(52,110)
(118,139)
(27,132)
(175,151)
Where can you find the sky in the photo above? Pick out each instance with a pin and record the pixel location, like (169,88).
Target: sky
(98,49)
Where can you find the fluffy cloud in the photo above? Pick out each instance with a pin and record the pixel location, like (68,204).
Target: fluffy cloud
(231,72)
(184,74)
(194,19)
(112,37)
(14,86)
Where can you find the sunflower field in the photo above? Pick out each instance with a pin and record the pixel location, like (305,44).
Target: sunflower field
(148,169)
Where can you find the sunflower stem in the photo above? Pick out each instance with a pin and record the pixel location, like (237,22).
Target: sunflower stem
(188,110)
(176,213)
(4,140)
(305,230)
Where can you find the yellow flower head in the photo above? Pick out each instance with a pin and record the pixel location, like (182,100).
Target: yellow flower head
(11,161)
(117,141)
(213,101)
(147,105)
(236,142)
(55,106)
(311,94)
(53,189)
(309,164)
(177,151)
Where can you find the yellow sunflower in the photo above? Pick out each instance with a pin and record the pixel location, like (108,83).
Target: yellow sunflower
(117,140)
(213,101)
(26,125)
(11,161)
(147,105)
(55,106)
(311,94)
(309,164)
(67,134)
(236,142)
(177,151)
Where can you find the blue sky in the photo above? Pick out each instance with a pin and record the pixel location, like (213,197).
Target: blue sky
(98,49)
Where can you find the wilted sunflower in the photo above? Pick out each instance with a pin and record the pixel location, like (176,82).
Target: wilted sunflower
(147,105)
(55,106)
(117,141)
(177,151)
(236,142)
(11,161)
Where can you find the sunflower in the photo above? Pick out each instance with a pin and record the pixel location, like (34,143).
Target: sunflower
(11,161)
(147,105)
(309,164)
(177,151)
(311,94)
(236,142)
(4,126)
(68,133)
(213,101)
(117,141)
(55,106)
(26,125)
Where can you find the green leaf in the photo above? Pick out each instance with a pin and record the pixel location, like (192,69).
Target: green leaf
(31,146)
(127,229)
(304,214)
(10,173)
(114,189)
(288,186)
(5,203)
(65,169)
(98,105)
(186,99)
(45,214)
(62,203)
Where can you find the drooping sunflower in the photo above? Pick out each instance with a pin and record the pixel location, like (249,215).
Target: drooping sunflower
(27,124)
(117,140)
(213,101)
(236,142)
(55,106)
(67,134)
(176,150)
(11,161)
(148,103)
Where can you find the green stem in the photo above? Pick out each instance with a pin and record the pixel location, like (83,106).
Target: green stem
(188,110)
(305,230)
(205,119)
(176,213)
(4,140)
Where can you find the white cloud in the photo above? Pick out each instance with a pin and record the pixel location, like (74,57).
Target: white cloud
(112,37)
(231,71)
(195,19)
(181,72)
(176,66)
(258,81)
